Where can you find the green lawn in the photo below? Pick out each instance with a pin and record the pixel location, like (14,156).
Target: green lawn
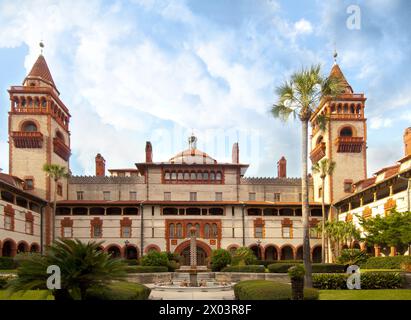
(8,271)
(28,295)
(380,294)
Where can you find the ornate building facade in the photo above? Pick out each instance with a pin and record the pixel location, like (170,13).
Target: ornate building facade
(153,204)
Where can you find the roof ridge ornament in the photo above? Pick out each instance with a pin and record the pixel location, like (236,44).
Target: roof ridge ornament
(192,142)
(41,45)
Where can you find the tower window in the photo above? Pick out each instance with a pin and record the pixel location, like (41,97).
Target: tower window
(60,136)
(60,189)
(29,126)
(167,196)
(347,185)
(251,196)
(277,197)
(346,132)
(106,195)
(218,196)
(28,184)
(80,195)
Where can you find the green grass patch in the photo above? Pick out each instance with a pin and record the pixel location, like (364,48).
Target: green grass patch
(382,294)
(14,271)
(27,295)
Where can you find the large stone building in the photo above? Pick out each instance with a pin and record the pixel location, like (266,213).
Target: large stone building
(152,205)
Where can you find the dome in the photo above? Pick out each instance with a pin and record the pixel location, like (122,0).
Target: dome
(192,156)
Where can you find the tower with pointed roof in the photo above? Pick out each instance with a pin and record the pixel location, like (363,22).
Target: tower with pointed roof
(38,131)
(343,140)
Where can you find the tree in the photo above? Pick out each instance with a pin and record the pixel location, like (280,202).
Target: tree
(394,230)
(299,97)
(325,168)
(55,172)
(82,267)
(220,258)
(243,256)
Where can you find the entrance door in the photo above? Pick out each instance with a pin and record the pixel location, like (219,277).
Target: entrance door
(201,256)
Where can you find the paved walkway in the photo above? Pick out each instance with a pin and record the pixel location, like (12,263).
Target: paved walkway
(190,295)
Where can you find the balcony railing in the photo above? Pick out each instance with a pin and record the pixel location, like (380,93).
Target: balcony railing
(61,149)
(318,152)
(24,139)
(349,144)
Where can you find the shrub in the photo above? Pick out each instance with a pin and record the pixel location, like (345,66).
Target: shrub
(131,262)
(353,256)
(268,290)
(328,268)
(119,291)
(406,266)
(393,262)
(220,258)
(7,263)
(248,268)
(155,258)
(280,267)
(369,280)
(296,272)
(146,269)
(4,280)
(243,256)
(172,265)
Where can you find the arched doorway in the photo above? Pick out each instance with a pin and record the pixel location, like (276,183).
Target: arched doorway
(299,253)
(271,253)
(316,254)
(22,247)
(114,251)
(9,248)
(287,253)
(356,245)
(257,251)
(131,252)
(201,256)
(35,247)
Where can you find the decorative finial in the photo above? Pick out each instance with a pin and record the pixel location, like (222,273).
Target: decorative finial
(335,55)
(192,142)
(41,44)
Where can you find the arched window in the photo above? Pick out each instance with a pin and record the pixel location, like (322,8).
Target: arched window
(180,176)
(214,230)
(179,231)
(206,231)
(192,175)
(186,176)
(352,109)
(218,176)
(29,126)
(43,103)
(167,175)
(171,230)
(346,132)
(212,176)
(60,135)
(197,230)
(320,139)
(205,175)
(199,175)
(188,228)
(36,103)
(173,176)
(345,108)
(23,102)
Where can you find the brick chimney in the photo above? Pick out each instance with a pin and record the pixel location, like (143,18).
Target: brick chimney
(282,168)
(149,152)
(407,141)
(100,165)
(236,153)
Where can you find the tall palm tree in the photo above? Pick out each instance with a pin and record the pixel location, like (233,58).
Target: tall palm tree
(325,168)
(82,266)
(299,97)
(55,172)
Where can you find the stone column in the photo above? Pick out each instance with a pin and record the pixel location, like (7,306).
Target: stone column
(193,258)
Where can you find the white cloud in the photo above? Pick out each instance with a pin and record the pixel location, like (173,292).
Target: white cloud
(379,122)
(303,26)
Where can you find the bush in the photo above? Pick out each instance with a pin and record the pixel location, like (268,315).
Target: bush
(353,257)
(243,256)
(146,269)
(131,262)
(4,280)
(393,262)
(220,258)
(369,280)
(248,268)
(268,290)
(328,268)
(7,263)
(119,291)
(316,267)
(172,265)
(155,258)
(406,266)
(296,272)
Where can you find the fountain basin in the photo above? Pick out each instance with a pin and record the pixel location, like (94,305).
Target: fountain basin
(210,287)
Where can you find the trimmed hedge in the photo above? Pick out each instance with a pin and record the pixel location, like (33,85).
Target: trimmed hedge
(247,268)
(146,269)
(268,290)
(369,280)
(7,263)
(316,267)
(4,280)
(131,262)
(119,291)
(393,262)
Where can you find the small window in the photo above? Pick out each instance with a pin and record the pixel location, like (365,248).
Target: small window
(348,186)
(106,195)
(173,176)
(167,176)
(126,231)
(186,176)
(218,176)
(214,230)
(67,232)
(28,184)
(193,176)
(80,195)
(259,232)
(97,232)
(277,197)
(251,196)
(133,195)
(29,127)
(59,189)
(286,232)
(218,196)
(346,132)
(193,196)
(167,196)
(8,222)
(180,176)
(29,227)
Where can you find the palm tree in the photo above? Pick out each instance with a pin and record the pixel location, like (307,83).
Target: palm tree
(326,168)
(299,97)
(55,172)
(82,266)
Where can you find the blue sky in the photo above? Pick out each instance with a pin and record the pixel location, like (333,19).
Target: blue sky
(138,70)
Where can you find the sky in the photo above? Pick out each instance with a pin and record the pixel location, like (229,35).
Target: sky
(147,70)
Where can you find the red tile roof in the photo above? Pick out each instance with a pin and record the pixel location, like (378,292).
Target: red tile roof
(42,71)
